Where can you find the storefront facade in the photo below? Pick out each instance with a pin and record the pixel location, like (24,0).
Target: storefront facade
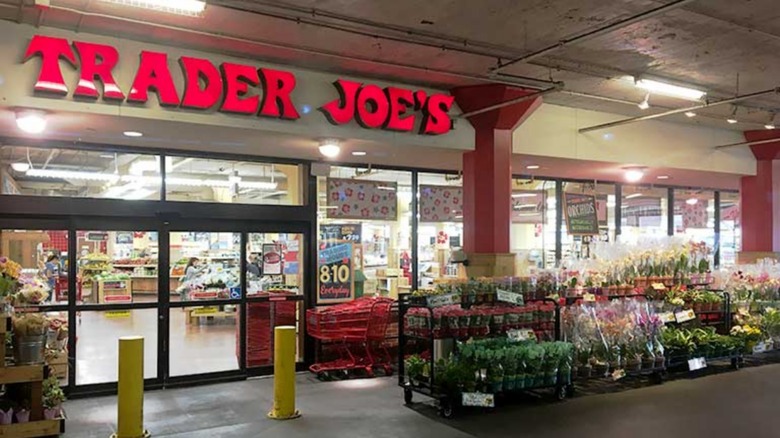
(259,221)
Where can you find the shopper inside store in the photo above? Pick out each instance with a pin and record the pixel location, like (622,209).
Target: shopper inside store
(389,219)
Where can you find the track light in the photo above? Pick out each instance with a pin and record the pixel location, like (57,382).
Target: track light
(690,114)
(771,123)
(733,117)
(645,104)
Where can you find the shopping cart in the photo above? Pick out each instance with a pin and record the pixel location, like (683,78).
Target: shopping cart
(357,330)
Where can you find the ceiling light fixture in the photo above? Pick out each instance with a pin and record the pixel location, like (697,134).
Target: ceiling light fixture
(690,114)
(771,123)
(330,148)
(73,174)
(733,117)
(692,201)
(634,174)
(645,104)
(523,195)
(669,89)
(634,195)
(20,167)
(358,153)
(31,122)
(133,134)
(532,167)
(179,7)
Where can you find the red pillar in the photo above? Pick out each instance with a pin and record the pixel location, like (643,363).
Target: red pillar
(487,171)
(759,203)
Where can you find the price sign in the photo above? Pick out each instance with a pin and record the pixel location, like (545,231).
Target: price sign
(478,399)
(685,315)
(697,364)
(658,286)
(118,314)
(509,297)
(667,317)
(521,335)
(442,300)
(588,298)
(341,232)
(335,273)
(211,310)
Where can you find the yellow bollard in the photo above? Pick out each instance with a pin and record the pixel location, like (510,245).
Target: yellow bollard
(130,422)
(284,374)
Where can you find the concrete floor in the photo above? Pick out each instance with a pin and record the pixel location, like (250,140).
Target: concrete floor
(729,404)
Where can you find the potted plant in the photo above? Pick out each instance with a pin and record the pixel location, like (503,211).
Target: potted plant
(53,397)
(7,415)
(534,361)
(29,338)
(510,368)
(415,366)
(23,413)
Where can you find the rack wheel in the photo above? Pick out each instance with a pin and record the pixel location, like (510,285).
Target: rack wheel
(735,363)
(560,393)
(388,370)
(408,395)
(323,376)
(446,409)
(369,372)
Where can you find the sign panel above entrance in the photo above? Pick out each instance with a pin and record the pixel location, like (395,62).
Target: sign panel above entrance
(228,87)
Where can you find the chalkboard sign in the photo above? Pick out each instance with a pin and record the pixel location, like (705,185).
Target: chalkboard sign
(581,214)
(335,274)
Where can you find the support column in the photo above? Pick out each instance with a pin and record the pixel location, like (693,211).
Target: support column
(487,175)
(760,200)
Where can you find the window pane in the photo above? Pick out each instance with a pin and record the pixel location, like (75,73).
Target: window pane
(365,233)
(117,267)
(644,213)
(275,264)
(532,233)
(79,174)
(440,230)
(694,216)
(578,247)
(262,317)
(43,257)
(97,347)
(237,182)
(203,339)
(205,266)
(730,229)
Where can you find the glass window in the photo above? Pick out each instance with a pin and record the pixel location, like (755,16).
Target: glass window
(79,173)
(644,213)
(116,267)
(203,339)
(275,264)
(262,317)
(532,232)
(237,182)
(205,266)
(575,246)
(694,216)
(440,228)
(365,233)
(730,229)
(42,256)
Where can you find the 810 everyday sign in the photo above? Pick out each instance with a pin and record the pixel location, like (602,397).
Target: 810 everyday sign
(230,87)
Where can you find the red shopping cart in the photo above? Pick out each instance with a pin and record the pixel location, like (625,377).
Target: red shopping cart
(357,330)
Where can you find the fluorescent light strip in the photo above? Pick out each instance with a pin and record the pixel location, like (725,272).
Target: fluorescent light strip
(179,7)
(670,90)
(633,195)
(72,174)
(146,180)
(524,195)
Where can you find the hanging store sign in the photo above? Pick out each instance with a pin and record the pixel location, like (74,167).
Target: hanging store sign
(581,214)
(230,87)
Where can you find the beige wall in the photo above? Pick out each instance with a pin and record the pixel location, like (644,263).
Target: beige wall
(552,131)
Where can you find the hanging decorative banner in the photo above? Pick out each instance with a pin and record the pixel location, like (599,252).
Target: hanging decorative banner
(441,203)
(693,216)
(528,206)
(581,214)
(335,274)
(357,199)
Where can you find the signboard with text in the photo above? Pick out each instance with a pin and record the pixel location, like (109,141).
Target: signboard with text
(581,214)
(335,274)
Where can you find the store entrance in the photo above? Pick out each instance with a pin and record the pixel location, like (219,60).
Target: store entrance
(205,295)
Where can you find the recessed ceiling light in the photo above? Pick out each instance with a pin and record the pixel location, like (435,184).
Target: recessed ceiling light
(663,177)
(692,201)
(634,175)
(358,153)
(532,167)
(690,114)
(31,122)
(330,148)
(133,134)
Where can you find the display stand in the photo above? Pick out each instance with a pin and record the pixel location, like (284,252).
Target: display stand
(33,376)
(114,291)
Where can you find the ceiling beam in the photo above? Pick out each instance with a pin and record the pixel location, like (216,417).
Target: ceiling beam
(678,111)
(595,33)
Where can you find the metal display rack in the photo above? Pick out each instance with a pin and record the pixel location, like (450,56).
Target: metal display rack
(448,403)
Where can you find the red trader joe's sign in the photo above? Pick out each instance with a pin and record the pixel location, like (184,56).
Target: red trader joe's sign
(230,87)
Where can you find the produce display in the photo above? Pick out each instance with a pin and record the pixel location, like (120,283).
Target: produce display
(91,266)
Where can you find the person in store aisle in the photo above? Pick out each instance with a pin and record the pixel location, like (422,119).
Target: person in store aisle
(51,270)
(193,269)
(253,267)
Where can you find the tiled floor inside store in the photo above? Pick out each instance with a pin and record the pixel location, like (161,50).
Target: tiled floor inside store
(729,404)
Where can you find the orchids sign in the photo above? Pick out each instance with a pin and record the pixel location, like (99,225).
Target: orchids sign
(229,87)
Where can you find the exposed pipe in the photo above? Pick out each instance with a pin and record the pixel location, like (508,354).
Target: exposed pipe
(297,48)
(747,143)
(509,102)
(595,33)
(678,111)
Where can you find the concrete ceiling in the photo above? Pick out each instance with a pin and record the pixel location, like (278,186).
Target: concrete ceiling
(446,43)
